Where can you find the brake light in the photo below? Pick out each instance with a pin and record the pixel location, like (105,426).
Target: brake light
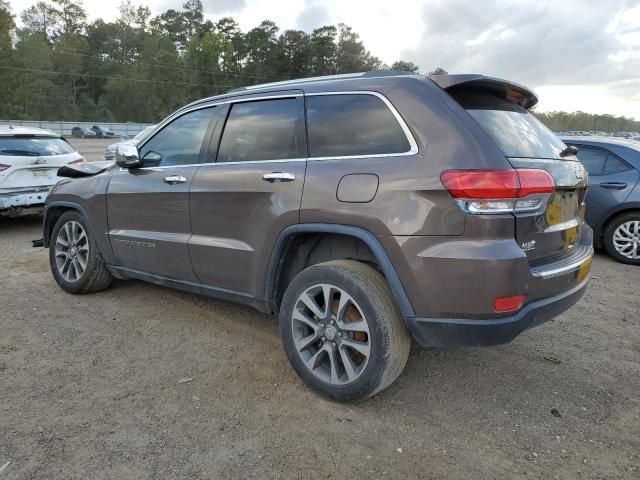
(77,161)
(4,166)
(508,304)
(498,191)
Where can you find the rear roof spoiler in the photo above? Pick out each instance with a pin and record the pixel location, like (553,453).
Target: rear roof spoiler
(511,91)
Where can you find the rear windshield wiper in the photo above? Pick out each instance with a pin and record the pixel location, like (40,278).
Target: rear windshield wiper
(570,150)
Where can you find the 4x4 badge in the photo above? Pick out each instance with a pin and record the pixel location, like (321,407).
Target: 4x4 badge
(530,245)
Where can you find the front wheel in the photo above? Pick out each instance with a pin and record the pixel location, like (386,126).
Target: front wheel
(76,262)
(342,331)
(622,238)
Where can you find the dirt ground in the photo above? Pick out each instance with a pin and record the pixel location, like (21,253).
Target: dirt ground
(145,382)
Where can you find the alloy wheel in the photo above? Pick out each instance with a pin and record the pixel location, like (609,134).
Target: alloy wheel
(626,239)
(72,251)
(331,334)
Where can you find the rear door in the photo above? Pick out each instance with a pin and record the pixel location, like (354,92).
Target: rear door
(611,181)
(555,227)
(248,192)
(148,208)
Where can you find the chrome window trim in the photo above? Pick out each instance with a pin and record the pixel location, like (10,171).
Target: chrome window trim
(410,138)
(413,150)
(178,114)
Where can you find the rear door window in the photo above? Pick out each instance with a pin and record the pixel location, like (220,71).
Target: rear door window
(352,124)
(261,131)
(614,165)
(518,133)
(593,159)
(32,146)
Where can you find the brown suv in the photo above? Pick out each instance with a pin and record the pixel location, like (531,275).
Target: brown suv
(362,209)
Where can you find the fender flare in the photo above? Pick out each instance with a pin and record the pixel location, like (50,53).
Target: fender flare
(46,227)
(366,236)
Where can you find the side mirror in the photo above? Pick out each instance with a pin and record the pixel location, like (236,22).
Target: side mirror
(127,156)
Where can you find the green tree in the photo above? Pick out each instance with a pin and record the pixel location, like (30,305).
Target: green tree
(41,17)
(72,16)
(439,71)
(323,50)
(405,66)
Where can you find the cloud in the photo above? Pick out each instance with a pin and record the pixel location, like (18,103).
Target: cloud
(312,16)
(580,42)
(213,7)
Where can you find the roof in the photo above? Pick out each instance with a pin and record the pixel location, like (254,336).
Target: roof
(593,140)
(10,130)
(326,78)
(385,78)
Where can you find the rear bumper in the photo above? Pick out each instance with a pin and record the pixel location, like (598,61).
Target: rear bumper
(440,332)
(24,199)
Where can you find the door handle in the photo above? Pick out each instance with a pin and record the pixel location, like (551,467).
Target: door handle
(614,185)
(173,179)
(279,177)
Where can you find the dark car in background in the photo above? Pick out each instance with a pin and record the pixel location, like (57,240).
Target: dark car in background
(435,208)
(82,132)
(613,198)
(103,132)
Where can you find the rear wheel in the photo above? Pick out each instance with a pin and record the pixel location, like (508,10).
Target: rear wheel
(622,238)
(342,330)
(74,256)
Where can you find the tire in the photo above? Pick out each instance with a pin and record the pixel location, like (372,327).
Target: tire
(624,231)
(362,294)
(95,276)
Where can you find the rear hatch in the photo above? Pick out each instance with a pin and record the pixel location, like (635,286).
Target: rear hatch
(554,229)
(31,162)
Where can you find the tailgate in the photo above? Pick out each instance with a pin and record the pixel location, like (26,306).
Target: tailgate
(30,178)
(555,229)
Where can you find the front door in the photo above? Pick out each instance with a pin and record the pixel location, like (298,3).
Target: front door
(148,207)
(243,200)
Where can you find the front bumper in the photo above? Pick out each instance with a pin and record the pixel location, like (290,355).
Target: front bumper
(440,332)
(9,201)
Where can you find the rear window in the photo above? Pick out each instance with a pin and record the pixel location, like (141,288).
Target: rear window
(352,124)
(34,146)
(516,132)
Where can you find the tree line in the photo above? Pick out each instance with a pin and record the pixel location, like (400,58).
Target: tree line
(140,68)
(581,121)
(60,66)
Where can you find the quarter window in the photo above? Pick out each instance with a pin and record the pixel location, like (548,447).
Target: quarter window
(600,162)
(352,124)
(260,131)
(179,142)
(614,165)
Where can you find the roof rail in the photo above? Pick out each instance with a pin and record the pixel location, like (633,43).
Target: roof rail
(342,76)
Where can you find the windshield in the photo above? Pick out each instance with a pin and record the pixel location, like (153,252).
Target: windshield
(34,146)
(143,133)
(517,132)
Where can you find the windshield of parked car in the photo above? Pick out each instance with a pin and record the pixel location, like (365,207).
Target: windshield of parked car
(34,146)
(517,132)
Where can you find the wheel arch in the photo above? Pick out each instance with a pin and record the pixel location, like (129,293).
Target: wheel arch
(53,211)
(621,209)
(289,234)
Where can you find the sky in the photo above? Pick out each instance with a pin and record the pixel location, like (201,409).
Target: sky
(575,54)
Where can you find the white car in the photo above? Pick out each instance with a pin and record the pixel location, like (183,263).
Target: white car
(110,152)
(29,163)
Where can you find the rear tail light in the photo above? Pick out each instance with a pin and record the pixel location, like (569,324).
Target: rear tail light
(498,191)
(3,166)
(508,304)
(77,161)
